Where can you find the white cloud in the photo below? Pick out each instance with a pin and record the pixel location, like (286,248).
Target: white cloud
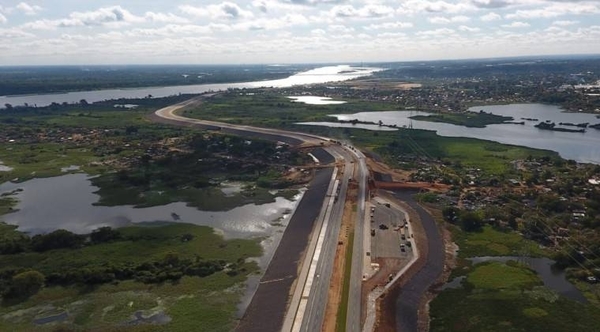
(313,2)
(493,3)
(446,20)
(230,31)
(565,23)
(555,10)
(490,17)
(389,26)
(468,29)
(14,33)
(436,32)
(420,6)
(368,11)
(516,25)
(165,18)
(224,10)
(340,28)
(28,9)
(109,16)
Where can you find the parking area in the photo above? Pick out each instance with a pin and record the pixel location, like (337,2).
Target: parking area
(389,234)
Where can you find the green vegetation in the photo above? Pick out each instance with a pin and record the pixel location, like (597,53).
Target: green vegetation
(491,242)
(193,173)
(139,162)
(406,148)
(491,157)
(7,204)
(496,275)
(98,137)
(184,272)
(270,109)
(467,119)
(507,297)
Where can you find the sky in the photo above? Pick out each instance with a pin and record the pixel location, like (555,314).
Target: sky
(63,32)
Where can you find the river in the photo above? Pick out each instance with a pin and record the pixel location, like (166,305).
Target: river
(582,147)
(314,76)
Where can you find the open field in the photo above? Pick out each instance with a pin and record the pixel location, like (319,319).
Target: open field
(491,242)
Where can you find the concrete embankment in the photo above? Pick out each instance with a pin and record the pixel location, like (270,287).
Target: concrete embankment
(268,306)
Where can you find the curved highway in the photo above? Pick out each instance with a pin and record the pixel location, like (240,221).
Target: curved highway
(268,306)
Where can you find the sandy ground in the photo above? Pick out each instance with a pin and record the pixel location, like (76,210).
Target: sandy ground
(397,175)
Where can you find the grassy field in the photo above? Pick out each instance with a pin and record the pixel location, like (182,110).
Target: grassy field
(490,157)
(502,276)
(491,242)
(501,297)
(192,303)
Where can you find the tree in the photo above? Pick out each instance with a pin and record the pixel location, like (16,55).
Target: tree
(471,222)
(27,283)
(104,234)
(57,240)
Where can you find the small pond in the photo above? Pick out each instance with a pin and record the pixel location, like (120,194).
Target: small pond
(66,202)
(553,278)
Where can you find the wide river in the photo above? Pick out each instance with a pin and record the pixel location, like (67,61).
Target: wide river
(582,147)
(314,76)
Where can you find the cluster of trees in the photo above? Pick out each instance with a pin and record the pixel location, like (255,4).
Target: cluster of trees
(170,268)
(469,221)
(59,239)
(18,283)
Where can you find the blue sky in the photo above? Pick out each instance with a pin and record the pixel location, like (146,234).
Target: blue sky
(291,31)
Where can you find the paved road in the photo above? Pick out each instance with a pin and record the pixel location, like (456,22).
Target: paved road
(317,303)
(410,296)
(358,252)
(268,306)
(386,242)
